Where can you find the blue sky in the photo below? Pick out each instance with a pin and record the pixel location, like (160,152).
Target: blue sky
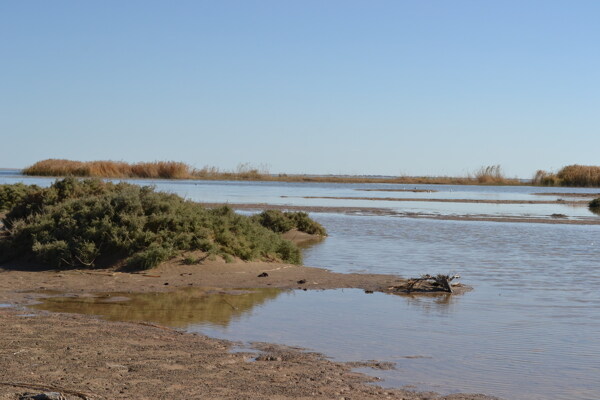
(355,87)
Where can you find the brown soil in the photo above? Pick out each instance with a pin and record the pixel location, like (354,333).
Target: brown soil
(88,357)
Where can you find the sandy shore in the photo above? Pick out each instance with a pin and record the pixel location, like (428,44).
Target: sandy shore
(88,357)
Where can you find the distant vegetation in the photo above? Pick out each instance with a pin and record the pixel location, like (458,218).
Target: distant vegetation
(87,223)
(571,175)
(490,175)
(595,206)
(110,169)
(493,175)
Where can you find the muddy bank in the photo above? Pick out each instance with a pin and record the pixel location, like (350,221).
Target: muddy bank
(88,358)
(550,219)
(591,195)
(16,282)
(475,201)
(397,190)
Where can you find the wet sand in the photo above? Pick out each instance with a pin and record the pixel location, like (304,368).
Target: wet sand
(88,357)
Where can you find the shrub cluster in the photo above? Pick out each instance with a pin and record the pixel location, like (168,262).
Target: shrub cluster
(10,195)
(281,222)
(76,223)
(594,206)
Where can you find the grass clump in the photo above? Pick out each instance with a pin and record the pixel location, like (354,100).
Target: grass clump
(110,169)
(571,175)
(282,222)
(87,223)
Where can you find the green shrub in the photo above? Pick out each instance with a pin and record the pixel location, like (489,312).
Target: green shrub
(594,205)
(10,195)
(282,222)
(275,220)
(304,223)
(76,223)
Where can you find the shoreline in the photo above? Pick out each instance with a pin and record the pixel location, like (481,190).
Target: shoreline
(86,356)
(551,219)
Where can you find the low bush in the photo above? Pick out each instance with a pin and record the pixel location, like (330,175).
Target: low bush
(86,223)
(279,221)
(594,205)
(10,195)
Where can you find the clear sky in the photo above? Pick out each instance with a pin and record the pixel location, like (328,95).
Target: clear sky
(415,87)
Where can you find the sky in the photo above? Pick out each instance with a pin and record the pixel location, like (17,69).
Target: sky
(413,87)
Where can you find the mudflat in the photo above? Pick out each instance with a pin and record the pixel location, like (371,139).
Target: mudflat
(87,357)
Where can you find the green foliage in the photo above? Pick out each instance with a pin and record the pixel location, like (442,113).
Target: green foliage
(594,206)
(304,223)
(76,223)
(281,222)
(275,220)
(10,195)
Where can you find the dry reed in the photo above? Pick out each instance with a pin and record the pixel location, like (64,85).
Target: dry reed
(490,175)
(571,175)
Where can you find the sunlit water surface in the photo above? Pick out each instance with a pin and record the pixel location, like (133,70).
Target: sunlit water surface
(530,329)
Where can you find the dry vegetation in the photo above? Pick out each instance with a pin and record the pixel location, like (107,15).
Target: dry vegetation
(490,175)
(571,175)
(110,169)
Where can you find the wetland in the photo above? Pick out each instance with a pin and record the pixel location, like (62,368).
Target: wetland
(527,330)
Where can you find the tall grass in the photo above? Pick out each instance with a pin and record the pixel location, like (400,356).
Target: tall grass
(571,175)
(490,175)
(110,169)
(178,170)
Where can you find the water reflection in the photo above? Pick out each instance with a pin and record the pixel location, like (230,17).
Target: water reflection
(178,309)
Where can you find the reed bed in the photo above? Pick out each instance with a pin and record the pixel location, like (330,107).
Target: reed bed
(110,169)
(490,175)
(571,175)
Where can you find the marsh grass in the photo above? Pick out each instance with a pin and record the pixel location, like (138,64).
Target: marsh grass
(571,175)
(490,175)
(87,223)
(110,169)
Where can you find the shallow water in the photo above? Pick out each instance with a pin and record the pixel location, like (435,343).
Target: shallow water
(294,193)
(529,330)
(178,309)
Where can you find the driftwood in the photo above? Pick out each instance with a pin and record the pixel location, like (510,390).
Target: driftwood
(438,281)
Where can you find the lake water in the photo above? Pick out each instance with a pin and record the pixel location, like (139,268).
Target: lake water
(530,329)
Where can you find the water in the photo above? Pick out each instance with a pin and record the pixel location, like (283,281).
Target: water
(295,194)
(529,329)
